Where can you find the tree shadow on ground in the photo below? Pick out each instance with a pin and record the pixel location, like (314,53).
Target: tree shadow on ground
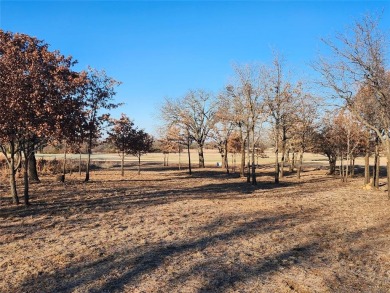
(129,265)
(73,197)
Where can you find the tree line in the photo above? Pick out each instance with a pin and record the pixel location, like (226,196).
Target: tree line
(43,100)
(266,101)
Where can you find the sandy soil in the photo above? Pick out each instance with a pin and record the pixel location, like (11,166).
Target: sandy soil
(164,231)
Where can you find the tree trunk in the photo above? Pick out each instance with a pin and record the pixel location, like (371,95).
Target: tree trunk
(226,159)
(189,157)
(375,171)
(346,168)
(201,157)
(25,180)
(300,165)
(88,166)
(341,168)
(367,169)
(388,167)
(242,165)
(123,164)
(291,169)
(248,175)
(277,161)
(89,158)
(282,161)
(32,169)
(64,166)
(254,179)
(332,164)
(12,179)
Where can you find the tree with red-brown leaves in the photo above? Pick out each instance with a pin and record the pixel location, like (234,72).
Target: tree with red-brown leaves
(121,135)
(39,97)
(140,144)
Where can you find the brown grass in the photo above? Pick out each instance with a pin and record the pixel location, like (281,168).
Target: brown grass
(164,231)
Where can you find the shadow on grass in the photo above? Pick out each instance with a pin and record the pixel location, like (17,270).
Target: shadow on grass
(128,266)
(75,197)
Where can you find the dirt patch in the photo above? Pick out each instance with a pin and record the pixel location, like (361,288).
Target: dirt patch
(165,231)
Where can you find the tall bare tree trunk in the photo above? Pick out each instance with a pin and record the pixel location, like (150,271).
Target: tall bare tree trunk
(367,169)
(32,169)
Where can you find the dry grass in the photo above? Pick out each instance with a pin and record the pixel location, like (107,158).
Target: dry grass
(164,231)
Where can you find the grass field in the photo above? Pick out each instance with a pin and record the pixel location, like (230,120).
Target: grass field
(166,231)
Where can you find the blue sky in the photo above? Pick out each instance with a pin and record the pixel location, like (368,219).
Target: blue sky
(162,49)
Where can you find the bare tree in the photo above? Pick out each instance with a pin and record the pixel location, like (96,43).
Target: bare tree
(248,99)
(194,114)
(280,97)
(223,127)
(358,61)
(306,111)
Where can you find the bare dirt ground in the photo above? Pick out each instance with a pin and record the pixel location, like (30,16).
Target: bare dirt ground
(164,231)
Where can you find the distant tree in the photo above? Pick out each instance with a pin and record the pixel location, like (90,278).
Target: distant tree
(122,135)
(170,142)
(223,127)
(306,114)
(98,95)
(348,132)
(234,147)
(140,144)
(325,142)
(194,114)
(39,92)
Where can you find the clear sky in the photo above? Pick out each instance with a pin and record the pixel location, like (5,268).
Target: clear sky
(162,49)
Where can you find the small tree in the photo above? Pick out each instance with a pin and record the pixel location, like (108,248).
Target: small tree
(98,95)
(122,136)
(140,144)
